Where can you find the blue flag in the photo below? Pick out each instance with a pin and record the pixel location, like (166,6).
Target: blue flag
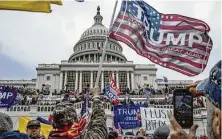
(85,107)
(8,96)
(44,121)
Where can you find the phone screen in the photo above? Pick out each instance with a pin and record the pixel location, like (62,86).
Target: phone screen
(183,108)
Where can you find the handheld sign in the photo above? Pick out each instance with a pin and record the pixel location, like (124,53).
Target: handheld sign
(152,118)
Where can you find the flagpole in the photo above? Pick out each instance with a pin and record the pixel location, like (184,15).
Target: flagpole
(104,48)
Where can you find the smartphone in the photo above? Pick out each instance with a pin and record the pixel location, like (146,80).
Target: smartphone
(183,107)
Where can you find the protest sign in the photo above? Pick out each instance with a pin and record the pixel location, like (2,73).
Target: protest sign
(152,118)
(7,96)
(127,116)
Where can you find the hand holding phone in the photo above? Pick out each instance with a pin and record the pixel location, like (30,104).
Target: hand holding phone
(183,107)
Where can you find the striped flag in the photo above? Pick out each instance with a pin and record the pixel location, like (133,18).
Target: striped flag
(113,85)
(173,41)
(85,107)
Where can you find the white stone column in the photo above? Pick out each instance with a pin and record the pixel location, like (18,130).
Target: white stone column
(60,80)
(57,81)
(102,81)
(65,80)
(37,82)
(106,57)
(132,81)
(76,81)
(128,81)
(94,57)
(42,80)
(117,79)
(53,82)
(91,79)
(80,81)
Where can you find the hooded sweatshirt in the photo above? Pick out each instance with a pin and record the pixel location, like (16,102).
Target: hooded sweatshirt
(13,135)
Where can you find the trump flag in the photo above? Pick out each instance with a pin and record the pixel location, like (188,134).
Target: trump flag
(173,41)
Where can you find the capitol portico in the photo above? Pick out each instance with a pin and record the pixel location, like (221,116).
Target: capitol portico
(81,68)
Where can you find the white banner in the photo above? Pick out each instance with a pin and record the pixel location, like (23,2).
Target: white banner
(152,118)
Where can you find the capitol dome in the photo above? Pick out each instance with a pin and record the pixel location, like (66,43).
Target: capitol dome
(89,47)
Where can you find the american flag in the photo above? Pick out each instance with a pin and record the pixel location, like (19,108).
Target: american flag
(85,107)
(113,85)
(173,41)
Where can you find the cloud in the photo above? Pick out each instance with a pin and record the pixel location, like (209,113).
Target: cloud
(34,38)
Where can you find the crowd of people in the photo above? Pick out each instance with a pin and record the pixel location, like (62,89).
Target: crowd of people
(67,125)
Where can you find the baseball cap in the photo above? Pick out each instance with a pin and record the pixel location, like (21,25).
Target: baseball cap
(212,85)
(161,132)
(33,123)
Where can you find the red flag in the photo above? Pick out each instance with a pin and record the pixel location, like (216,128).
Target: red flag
(113,85)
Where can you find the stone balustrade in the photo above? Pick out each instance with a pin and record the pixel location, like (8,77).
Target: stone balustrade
(198,113)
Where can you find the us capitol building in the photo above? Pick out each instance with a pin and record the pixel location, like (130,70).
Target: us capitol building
(81,68)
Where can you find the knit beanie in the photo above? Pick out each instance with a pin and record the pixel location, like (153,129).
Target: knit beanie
(6,123)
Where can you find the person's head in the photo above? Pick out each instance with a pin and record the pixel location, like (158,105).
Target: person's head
(162,132)
(6,123)
(212,91)
(142,131)
(140,138)
(213,121)
(112,135)
(33,128)
(64,115)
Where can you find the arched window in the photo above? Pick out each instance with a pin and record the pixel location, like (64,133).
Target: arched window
(88,45)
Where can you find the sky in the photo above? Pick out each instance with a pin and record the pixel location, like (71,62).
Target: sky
(28,39)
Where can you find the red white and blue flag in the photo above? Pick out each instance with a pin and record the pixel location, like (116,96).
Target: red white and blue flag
(112,92)
(85,107)
(113,85)
(173,41)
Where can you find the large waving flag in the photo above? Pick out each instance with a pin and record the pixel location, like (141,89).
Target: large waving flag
(23,121)
(173,41)
(31,6)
